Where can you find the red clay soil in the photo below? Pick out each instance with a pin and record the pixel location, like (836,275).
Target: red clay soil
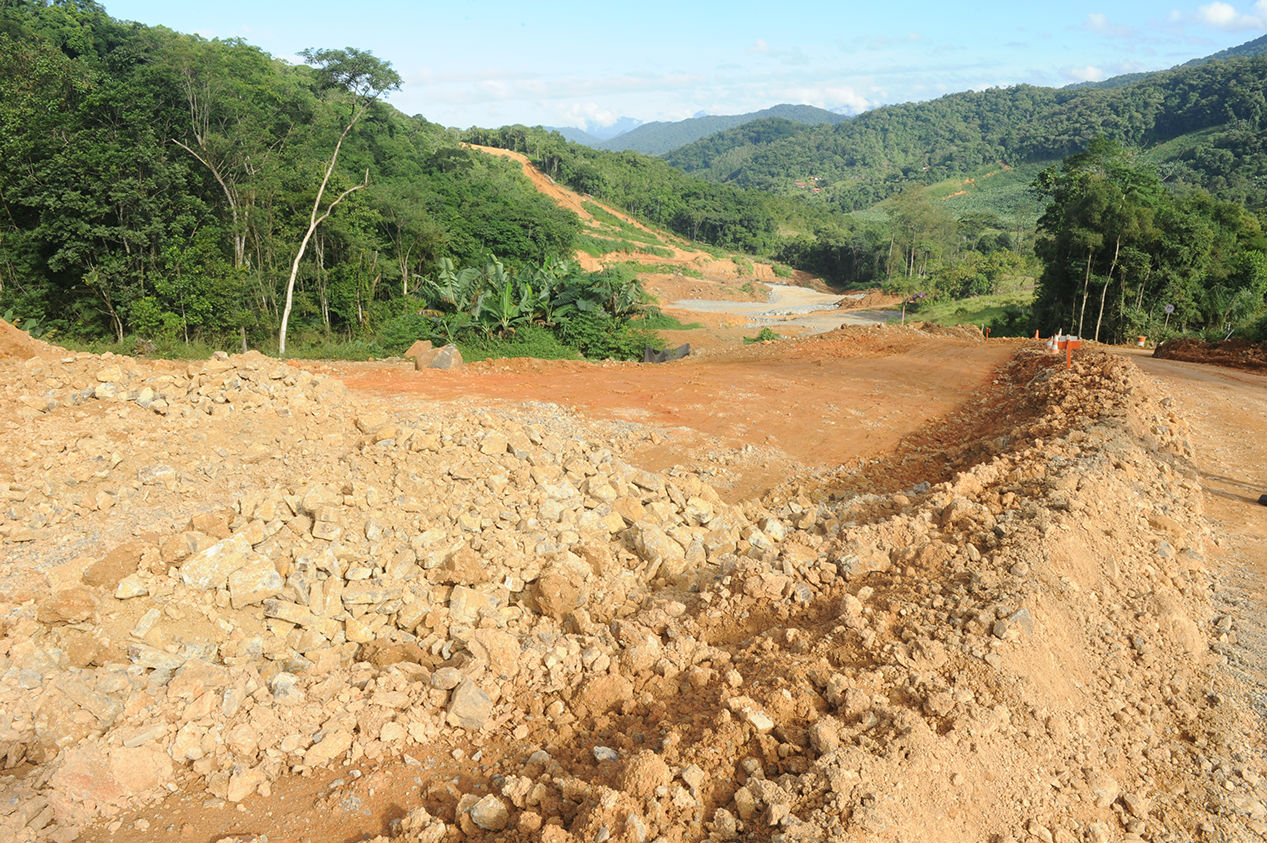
(821,401)
(1234,354)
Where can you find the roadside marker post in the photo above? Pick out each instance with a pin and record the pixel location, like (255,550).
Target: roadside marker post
(1068,344)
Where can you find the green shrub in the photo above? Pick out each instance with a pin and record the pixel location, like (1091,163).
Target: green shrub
(657,320)
(764,336)
(527,341)
(400,332)
(599,336)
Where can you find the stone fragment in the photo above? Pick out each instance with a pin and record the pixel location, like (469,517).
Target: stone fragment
(254,582)
(1105,789)
(556,594)
(601,694)
(469,706)
(131,586)
(210,568)
(419,826)
(285,688)
(68,605)
(645,772)
(446,678)
(446,358)
(490,813)
(420,349)
(499,649)
(245,781)
(91,781)
(461,567)
(824,735)
(331,746)
(110,570)
(466,605)
(751,713)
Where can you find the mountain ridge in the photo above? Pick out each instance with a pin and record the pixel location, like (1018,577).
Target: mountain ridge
(660,137)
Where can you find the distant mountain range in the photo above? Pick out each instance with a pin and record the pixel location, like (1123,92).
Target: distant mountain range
(661,137)
(1204,122)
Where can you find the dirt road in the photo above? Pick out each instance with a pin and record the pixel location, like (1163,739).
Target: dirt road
(1227,411)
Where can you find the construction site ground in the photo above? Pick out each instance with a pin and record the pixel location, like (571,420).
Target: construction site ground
(887,582)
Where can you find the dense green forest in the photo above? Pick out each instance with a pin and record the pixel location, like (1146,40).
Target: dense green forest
(161,185)
(864,160)
(1118,249)
(840,247)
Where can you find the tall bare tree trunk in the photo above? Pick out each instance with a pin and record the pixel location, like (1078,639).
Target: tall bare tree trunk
(1086,283)
(313,221)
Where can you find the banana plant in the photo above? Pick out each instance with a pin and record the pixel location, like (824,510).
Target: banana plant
(506,306)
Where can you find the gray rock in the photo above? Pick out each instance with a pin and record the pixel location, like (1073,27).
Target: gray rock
(490,813)
(447,358)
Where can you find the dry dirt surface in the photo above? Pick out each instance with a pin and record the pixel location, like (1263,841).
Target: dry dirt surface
(1236,354)
(878,584)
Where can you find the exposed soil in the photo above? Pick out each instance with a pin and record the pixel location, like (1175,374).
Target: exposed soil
(874,584)
(1236,354)
(804,404)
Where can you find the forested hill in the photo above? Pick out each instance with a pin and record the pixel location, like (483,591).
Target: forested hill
(1257,47)
(159,183)
(660,137)
(1219,106)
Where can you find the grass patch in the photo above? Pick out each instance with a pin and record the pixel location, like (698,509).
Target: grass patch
(662,269)
(599,246)
(659,321)
(1006,314)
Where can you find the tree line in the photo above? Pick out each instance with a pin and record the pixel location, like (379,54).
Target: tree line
(169,186)
(1123,255)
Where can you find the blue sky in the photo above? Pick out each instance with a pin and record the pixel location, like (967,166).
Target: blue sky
(567,63)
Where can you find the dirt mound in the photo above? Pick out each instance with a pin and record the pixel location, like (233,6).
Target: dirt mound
(870,300)
(1235,354)
(967,332)
(18,344)
(234,588)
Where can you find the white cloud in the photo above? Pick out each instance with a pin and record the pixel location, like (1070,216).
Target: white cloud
(586,114)
(1099,22)
(759,46)
(1227,17)
(1087,73)
(825,96)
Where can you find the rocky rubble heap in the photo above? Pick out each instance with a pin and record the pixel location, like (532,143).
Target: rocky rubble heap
(431,546)
(285,580)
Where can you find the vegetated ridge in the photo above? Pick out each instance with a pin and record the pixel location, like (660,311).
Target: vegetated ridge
(660,137)
(859,162)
